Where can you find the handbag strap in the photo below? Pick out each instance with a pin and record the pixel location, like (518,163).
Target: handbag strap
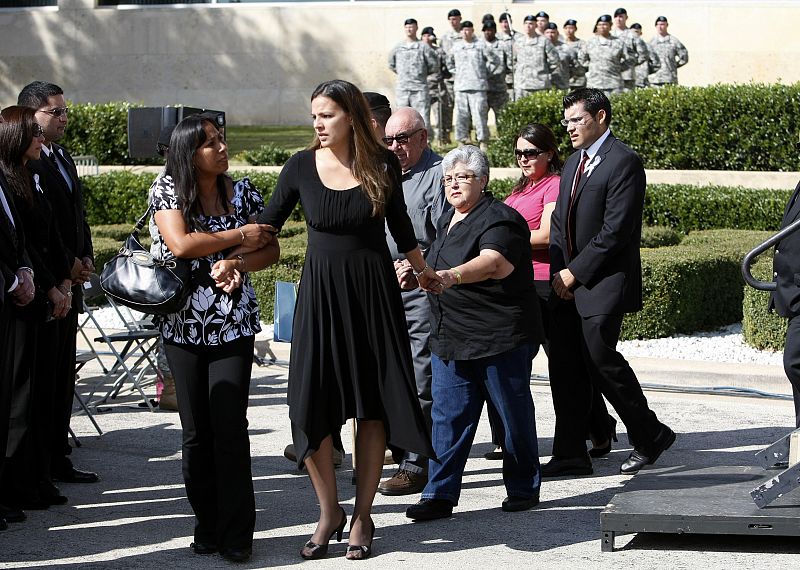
(140,223)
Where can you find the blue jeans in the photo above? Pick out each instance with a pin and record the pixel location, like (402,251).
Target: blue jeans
(459,389)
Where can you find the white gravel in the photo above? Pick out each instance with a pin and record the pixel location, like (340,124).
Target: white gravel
(723,345)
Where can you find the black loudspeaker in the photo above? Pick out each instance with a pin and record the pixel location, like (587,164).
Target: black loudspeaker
(145,124)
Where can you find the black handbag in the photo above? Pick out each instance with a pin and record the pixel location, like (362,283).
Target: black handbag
(138,280)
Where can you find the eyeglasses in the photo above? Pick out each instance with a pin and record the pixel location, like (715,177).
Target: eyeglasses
(57,112)
(38,131)
(460,178)
(528,153)
(402,138)
(575,121)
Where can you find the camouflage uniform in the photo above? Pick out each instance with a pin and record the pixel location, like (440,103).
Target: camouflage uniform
(652,65)
(412,62)
(672,55)
(508,44)
(535,59)
(471,64)
(560,78)
(447,41)
(637,48)
(577,73)
(605,58)
(496,92)
(440,99)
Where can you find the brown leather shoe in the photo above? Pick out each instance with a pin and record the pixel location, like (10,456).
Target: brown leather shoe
(403,483)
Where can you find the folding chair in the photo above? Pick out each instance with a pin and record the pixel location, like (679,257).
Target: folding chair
(82,357)
(134,360)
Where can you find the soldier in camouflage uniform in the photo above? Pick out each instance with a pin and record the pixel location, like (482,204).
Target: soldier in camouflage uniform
(496,92)
(671,53)
(440,99)
(604,57)
(412,61)
(577,73)
(542,19)
(507,36)
(447,41)
(560,78)
(636,47)
(471,62)
(535,59)
(650,66)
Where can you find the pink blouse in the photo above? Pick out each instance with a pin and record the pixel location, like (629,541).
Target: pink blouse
(530,202)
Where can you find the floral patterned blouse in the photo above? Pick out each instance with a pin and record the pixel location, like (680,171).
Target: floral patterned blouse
(211,316)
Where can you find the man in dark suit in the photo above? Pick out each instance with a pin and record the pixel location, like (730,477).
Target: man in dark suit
(786,297)
(597,278)
(58,177)
(16,290)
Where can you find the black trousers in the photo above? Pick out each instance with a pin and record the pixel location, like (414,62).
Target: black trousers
(213,384)
(791,363)
(7,332)
(63,393)
(583,356)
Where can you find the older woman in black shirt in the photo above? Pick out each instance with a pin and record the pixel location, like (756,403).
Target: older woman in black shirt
(485,330)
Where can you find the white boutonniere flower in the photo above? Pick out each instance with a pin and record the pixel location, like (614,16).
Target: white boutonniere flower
(36,183)
(592,165)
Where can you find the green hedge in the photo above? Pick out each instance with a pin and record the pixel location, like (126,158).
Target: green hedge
(266,155)
(761,328)
(692,128)
(696,285)
(100,130)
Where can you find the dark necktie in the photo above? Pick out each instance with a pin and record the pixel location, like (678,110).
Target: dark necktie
(570,219)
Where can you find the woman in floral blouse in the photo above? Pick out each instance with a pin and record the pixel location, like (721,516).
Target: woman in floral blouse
(203,215)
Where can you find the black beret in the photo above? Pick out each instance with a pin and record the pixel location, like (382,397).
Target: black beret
(551,26)
(604,18)
(542,14)
(619,11)
(636,26)
(454,12)
(504,16)
(571,23)
(466,24)
(487,17)
(529,18)
(428,30)
(661,19)
(489,25)
(410,21)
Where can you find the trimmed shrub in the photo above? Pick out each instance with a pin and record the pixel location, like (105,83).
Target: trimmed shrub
(692,128)
(696,285)
(761,328)
(100,130)
(659,236)
(266,155)
(688,208)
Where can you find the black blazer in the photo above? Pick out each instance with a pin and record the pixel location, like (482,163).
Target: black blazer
(11,258)
(68,208)
(786,264)
(607,213)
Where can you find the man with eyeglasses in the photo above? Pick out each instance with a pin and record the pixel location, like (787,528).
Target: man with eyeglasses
(595,264)
(412,61)
(407,138)
(59,179)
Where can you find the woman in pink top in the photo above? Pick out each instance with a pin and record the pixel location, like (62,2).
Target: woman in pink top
(534,196)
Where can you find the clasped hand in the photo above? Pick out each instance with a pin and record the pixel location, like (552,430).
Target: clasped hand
(428,280)
(225,275)
(257,236)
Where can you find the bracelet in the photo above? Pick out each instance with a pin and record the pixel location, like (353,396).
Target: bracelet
(458,275)
(421,271)
(241,232)
(241,260)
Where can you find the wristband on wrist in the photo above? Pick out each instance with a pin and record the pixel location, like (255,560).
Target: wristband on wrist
(421,271)
(241,262)
(241,232)
(458,275)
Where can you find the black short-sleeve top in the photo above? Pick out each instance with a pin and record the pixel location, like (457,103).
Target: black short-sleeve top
(477,320)
(211,316)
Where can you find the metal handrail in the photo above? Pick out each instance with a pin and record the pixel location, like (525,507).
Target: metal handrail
(758,250)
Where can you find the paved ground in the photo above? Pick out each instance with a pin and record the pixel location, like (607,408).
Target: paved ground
(137,516)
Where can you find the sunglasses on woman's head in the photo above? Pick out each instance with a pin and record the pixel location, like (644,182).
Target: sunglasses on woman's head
(528,152)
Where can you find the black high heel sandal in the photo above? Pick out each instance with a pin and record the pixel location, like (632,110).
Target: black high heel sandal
(364,549)
(612,436)
(315,551)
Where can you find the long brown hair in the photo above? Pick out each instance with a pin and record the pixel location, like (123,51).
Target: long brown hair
(16,135)
(544,139)
(369,165)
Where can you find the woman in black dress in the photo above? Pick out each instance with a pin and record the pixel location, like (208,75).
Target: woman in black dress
(350,350)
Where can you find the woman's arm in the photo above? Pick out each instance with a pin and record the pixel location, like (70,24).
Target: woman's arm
(489,264)
(185,244)
(540,238)
(227,272)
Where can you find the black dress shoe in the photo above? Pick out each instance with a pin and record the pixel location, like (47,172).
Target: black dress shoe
(73,475)
(637,459)
(51,494)
(203,548)
(561,466)
(11,515)
(236,554)
(514,504)
(611,436)
(430,509)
